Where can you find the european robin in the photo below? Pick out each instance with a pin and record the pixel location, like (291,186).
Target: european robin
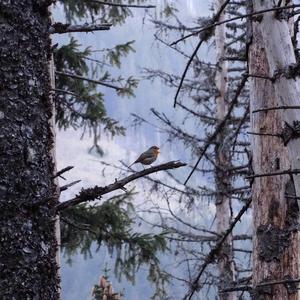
(148,157)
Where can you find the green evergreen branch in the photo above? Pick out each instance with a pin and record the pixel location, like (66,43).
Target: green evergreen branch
(117,88)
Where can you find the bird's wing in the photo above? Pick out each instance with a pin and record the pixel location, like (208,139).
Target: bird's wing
(143,156)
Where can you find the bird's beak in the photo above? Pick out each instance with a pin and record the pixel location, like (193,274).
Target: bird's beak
(158,151)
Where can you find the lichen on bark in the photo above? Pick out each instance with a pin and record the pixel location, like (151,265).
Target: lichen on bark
(28,268)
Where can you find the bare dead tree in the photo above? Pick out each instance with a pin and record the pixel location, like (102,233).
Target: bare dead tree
(275,216)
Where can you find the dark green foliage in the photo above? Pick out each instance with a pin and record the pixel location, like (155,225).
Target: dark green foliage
(81,104)
(110,223)
(75,10)
(120,50)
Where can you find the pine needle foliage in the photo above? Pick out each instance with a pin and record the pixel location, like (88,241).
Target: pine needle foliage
(80,104)
(111,224)
(76,10)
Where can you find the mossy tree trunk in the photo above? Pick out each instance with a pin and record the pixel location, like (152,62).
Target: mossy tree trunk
(28,268)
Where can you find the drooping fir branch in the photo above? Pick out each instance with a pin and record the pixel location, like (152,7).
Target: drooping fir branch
(78,102)
(111,223)
(117,88)
(64,28)
(84,9)
(97,192)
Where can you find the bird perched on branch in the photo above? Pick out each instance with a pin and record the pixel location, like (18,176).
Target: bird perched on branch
(148,157)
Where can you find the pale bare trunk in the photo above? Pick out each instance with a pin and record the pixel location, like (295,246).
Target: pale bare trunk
(275,240)
(280,55)
(223,213)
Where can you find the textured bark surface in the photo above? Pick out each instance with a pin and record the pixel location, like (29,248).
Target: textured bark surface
(275,241)
(28,268)
(280,55)
(223,161)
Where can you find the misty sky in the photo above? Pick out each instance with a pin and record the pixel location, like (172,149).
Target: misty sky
(78,279)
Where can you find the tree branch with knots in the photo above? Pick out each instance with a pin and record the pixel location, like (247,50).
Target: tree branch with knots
(64,28)
(94,193)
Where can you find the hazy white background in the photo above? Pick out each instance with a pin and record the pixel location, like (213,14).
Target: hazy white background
(79,278)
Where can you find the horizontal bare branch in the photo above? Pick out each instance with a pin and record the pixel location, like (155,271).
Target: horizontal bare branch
(265,134)
(214,24)
(64,28)
(96,192)
(62,171)
(267,283)
(276,108)
(284,172)
(65,187)
(122,5)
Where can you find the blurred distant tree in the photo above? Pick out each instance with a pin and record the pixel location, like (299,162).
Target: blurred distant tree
(214,101)
(104,290)
(261,78)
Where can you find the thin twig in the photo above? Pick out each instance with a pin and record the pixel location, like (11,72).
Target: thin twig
(185,71)
(60,91)
(215,250)
(233,19)
(65,187)
(64,170)
(220,126)
(284,172)
(265,134)
(202,39)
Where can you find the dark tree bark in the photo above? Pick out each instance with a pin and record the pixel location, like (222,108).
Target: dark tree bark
(275,213)
(28,268)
